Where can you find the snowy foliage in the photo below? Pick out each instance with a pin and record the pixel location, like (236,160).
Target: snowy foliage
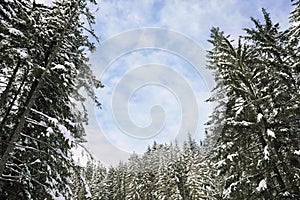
(262,185)
(163,172)
(252,146)
(42,68)
(257,118)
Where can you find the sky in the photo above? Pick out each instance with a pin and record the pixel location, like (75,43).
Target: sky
(151,60)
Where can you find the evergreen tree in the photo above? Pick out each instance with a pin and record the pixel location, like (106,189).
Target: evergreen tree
(43,66)
(117,183)
(254,148)
(133,179)
(167,183)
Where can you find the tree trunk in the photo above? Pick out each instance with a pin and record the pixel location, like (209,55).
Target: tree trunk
(4,96)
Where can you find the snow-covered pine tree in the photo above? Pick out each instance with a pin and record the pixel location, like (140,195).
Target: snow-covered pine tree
(150,166)
(220,58)
(198,181)
(166,186)
(44,64)
(116,182)
(254,146)
(95,179)
(81,181)
(122,173)
(182,167)
(163,172)
(280,117)
(134,183)
(111,183)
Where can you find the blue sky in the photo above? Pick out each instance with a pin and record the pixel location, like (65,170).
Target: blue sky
(153,88)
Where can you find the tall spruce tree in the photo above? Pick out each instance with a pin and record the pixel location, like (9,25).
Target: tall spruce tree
(43,66)
(259,133)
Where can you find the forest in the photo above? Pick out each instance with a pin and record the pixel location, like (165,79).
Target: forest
(251,148)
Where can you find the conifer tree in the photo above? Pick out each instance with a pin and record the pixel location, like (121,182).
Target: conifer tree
(44,65)
(254,147)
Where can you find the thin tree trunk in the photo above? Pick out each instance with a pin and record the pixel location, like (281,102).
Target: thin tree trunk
(13,101)
(4,95)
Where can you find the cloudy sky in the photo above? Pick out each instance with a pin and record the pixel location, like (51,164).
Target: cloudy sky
(152,62)
(151,59)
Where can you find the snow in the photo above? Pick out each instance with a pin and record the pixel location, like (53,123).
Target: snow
(65,132)
(227,192)
(259,117)
(52,120)
(20,148)
(275,112)
(220,163)
(60,197)
(15,32)
(259,162)
(284,129)
(86,187)
(286,193)
(239,123)
(266,153)
(59,66)
(22,53)
(5,12)
(245,123)
(231,156)
(72,100)
(230,144)
(71,123)
(78,164)
(262,185)
(239,110)
(54,193)
(36,161)
(297,152)
(42,123)
(49,131)
(295,23)
(34,122)
(271,133)
(70,64)
(45,2)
